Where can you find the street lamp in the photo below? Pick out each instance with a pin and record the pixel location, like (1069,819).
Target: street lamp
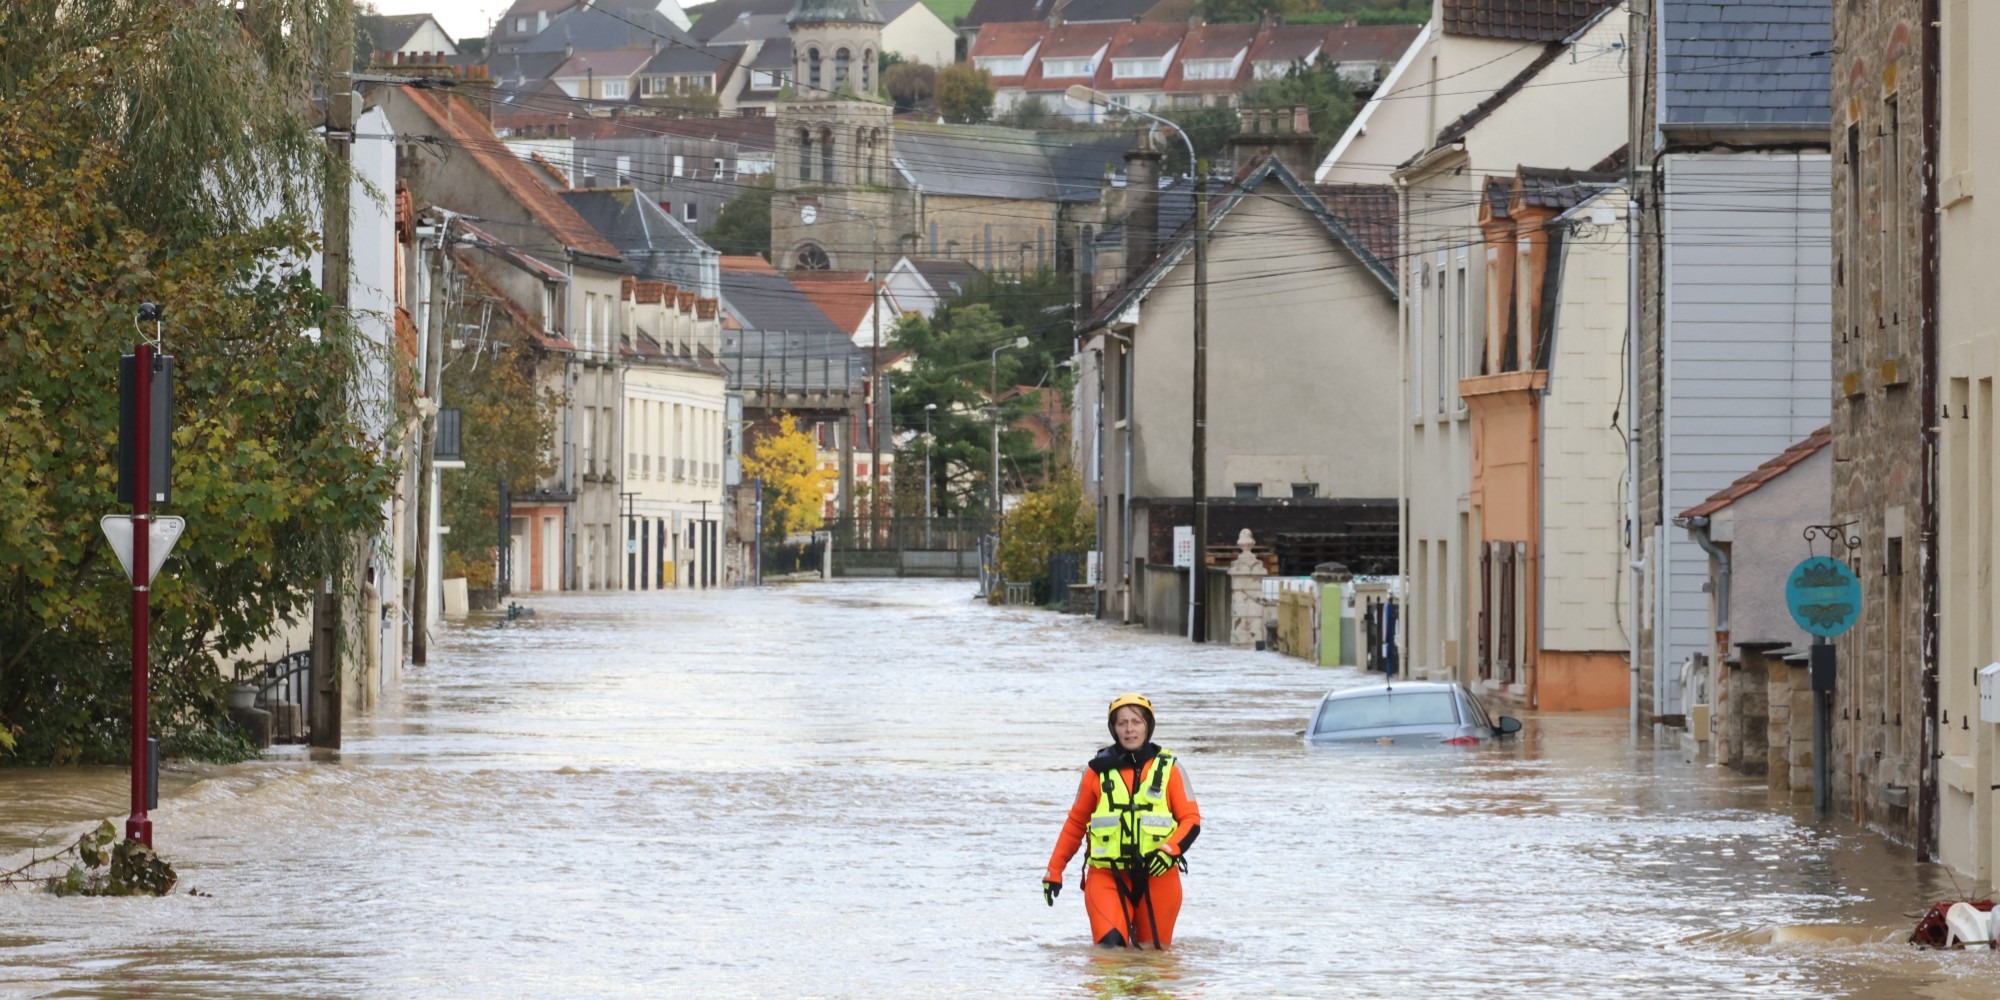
(1198,459)
(929,408)
(993,403)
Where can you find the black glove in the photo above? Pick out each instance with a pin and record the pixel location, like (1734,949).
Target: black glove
(1050,890)
(1158,862)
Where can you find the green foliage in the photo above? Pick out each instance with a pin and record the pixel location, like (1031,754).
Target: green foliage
(1050,519)
(910,85)
(1329,100)
(964,93)
(743,227)
(272,469)
(1030,113)
(1208,128)
(955,368)
(507,429)
(787,461)
(104,865)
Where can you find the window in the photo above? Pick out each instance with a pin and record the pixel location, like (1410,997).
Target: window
(1849,279)
(812,68)
(589,440)
(1208,69)
(652,85)
(764,79)
(1444,379)
(826,156)
(613,90)
(680,166)
(805,156)
(718,168)
(1420,280)
(1066,67)
(1891,213)
(1958,85)
(1127,69)
(520,26)
(589,319)
(624,169)
(688,211)
(1462,318)
(1305,491)
(812,258)
(867,71)
(1249,491)
(840,61)
(548,308)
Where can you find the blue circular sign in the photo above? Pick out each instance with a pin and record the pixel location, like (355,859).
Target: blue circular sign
(1824,596)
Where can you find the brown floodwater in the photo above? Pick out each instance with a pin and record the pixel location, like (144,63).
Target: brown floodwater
(850,790)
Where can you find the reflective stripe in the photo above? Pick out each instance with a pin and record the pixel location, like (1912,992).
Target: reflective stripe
(1101,822)
(1157,821)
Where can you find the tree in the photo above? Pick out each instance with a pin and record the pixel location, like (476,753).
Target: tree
(787,461)
(910,84)
(743,227)
(964,93)
(1329,99)
(507,426)
(1208,128)
(272,469)
(1051,519)
(1030,113)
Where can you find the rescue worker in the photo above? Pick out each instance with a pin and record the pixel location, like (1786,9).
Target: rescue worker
(1136,810)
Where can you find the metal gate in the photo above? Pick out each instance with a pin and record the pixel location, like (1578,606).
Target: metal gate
(284,689)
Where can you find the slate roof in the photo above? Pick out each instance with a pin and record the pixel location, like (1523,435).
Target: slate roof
(977,161)
(1762,474)
(1176,246)
(614,64)
(1746,62)
(516,68)
(631,221)
(722,14)
(388,32)
(682,60)
(590,29)
(753,28)
(1520,20)
(1561,189)
(946,277)
(769,301)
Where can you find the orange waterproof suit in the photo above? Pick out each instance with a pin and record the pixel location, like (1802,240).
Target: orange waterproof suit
(1129,902)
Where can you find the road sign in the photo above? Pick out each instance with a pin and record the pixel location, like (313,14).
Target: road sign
(1824,596)
(165,531)
(1184,546)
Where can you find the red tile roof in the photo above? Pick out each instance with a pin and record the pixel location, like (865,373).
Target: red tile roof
(1762,474)
(1523,20)
(842,295)
(467,130)
(754,265)
(1003,40)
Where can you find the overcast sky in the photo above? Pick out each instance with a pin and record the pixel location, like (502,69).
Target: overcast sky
(461,18)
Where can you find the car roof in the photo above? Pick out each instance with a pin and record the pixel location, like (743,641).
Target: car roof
(1407,687)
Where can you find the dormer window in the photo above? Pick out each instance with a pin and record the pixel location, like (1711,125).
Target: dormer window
(1208,69)
(1135,69)
(1066,67)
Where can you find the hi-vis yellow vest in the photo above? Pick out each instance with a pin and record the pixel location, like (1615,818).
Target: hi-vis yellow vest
(1125,826)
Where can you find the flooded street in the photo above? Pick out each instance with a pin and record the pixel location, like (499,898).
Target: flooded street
(850,790)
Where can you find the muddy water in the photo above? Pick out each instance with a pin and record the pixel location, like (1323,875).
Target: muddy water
(851,790)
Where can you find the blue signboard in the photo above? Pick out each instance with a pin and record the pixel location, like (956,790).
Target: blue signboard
(1824,596)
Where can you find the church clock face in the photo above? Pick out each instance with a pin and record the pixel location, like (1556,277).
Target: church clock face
(808,214)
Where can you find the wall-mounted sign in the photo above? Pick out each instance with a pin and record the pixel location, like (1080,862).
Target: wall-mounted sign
(1824,596)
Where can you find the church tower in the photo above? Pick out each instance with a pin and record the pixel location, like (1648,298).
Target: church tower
(835,205)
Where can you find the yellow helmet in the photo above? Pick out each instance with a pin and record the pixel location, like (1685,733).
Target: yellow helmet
(1132,698)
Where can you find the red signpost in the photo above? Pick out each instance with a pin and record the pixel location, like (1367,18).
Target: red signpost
(139,826)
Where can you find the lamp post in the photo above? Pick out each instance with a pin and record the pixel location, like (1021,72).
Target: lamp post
(929,408)
(1198,459)
(993,403)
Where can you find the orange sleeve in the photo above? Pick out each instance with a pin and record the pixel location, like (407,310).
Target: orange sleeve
(1187,813)
(1071,838)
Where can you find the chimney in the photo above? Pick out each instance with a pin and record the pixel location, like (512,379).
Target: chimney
(1282,133)
(1142,204)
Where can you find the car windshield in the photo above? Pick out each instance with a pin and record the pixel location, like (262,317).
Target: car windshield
(1418,708)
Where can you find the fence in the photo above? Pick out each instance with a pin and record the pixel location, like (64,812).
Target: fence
(957,533)
(789,558)
(284,688)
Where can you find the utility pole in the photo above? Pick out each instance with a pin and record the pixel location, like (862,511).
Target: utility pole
(878,411)
(420,610)
(1197,628)
(323,716)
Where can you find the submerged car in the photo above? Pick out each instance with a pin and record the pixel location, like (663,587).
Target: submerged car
(1414,712)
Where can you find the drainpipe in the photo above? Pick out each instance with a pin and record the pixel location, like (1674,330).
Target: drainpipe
(1635,568)
(1927,374)
(1697,529)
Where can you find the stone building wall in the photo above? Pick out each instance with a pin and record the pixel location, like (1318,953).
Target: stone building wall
(1647,415)
(1878,427)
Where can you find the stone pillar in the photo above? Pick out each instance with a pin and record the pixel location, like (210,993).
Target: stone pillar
(1246,595)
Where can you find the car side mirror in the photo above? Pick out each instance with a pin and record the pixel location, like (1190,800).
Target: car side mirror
(1509,725)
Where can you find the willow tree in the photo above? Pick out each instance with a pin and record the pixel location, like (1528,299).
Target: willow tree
(166,151)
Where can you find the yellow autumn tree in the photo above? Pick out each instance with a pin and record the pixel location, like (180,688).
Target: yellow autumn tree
(1051,519)
(787,462)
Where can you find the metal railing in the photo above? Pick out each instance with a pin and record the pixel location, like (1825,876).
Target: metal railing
(286,681)
(957,533)
(774,361)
